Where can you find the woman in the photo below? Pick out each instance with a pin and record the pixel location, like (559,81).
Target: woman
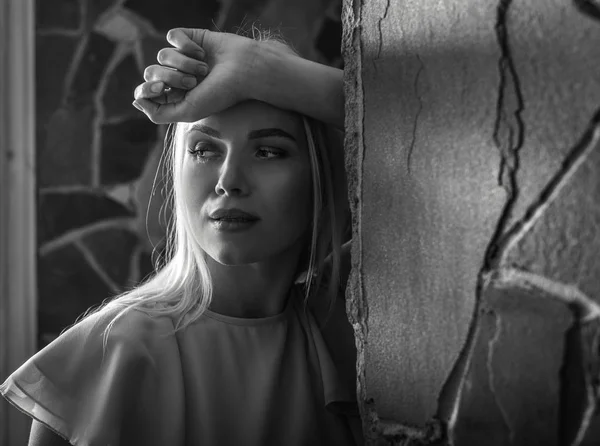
(219,348)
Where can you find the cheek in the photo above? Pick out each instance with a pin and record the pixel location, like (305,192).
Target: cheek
(196,186)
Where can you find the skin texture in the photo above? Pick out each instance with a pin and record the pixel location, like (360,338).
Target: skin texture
(228,69)
(267,176)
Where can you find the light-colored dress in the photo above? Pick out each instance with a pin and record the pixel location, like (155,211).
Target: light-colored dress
(221,381)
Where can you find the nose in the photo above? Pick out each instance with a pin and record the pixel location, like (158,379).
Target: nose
(233,179)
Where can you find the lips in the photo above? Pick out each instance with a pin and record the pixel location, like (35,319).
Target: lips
(232,215)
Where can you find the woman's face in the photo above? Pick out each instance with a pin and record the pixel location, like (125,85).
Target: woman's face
(246,183)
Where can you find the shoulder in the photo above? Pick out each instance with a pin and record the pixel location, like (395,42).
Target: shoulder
(133,333)
(94,390)
(137,325)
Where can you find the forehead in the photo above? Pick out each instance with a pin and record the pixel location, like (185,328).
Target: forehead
(253,115)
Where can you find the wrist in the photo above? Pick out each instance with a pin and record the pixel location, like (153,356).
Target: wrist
(278,76)
(267,63)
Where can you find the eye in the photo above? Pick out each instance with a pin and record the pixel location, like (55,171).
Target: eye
(269,153)
(204,152)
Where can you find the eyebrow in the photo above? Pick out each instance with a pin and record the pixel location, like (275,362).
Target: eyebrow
(254,134)
(273,132)
(205,129)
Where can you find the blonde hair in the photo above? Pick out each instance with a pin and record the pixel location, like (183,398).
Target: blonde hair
(181,288)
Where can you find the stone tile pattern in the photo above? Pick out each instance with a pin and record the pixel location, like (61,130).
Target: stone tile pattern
(473,138)
(97,155)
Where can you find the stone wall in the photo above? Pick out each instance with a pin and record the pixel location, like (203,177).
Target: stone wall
(473,142)
(98,156)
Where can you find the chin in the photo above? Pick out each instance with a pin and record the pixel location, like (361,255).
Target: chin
(233,257)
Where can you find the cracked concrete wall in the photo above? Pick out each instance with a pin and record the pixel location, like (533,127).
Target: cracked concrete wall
(473,153)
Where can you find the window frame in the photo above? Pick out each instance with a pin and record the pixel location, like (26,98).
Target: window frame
(18,241)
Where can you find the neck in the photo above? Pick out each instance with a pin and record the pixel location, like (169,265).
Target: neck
(254,290)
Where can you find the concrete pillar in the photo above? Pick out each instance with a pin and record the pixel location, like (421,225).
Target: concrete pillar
(474,162)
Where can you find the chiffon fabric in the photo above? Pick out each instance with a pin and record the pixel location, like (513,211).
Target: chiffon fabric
(221,381)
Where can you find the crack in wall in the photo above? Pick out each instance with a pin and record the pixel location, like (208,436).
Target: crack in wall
(573,161)
(509,131)
(417,115)
(590,8)
(490,373)
(379,21)
(584,351)
(509,128)
(584,307)
(508,135)
(586,337)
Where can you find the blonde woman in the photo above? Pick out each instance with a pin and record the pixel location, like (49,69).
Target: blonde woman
(241,337)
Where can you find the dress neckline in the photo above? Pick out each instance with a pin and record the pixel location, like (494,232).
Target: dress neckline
(252,321)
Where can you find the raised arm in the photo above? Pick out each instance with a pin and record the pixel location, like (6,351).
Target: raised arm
(290,82)
(238,69)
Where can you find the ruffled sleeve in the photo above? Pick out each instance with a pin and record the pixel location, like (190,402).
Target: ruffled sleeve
(131,392)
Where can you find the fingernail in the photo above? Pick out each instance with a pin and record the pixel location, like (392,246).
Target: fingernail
(157,87)
(189,81)
(201,52)
(201,69)
(138,106)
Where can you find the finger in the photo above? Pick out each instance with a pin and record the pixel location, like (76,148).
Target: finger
(165,96)
(149,90)
(148,107)
(170,77)
(168,96)
(138,106)
(196,104)
(188,40)
(171,57)
(158,113)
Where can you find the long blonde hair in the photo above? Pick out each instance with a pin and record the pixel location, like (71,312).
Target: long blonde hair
(181,288)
